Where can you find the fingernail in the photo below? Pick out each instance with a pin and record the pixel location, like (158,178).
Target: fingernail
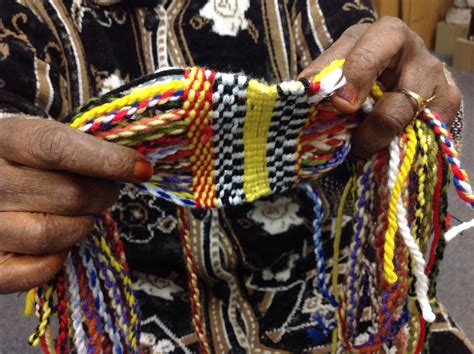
(143,170)
(348,93)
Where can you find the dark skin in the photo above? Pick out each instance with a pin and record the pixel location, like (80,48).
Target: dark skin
(55,178)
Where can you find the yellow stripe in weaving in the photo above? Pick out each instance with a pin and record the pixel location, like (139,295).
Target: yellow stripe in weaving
(260,102)
(136,95)
(389,244)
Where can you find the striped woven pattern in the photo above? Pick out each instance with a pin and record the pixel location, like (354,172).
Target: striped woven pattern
(220,139)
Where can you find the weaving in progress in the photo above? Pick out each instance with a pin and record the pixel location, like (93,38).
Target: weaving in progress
(221,139)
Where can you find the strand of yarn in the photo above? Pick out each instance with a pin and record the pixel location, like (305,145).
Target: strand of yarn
(193,282)
(361,219)
(92,319)
(30,302)
(460,177)
(62,310)
(318,243)
(45,315)
(48,338)
(110,284)
(389,245)
(98,297)
(126,287)
(75,306)
(421,285)
(336,253)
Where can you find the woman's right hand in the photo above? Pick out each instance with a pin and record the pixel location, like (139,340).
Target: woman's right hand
(53,180)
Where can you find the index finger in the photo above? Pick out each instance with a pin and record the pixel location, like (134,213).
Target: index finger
(49,145)
(374,52)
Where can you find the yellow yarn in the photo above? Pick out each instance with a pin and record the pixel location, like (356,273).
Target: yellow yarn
(338,63)
(260,102)
(102,243)
(376,91)
(30,302)
(138,94)
(46,309)
(389,245)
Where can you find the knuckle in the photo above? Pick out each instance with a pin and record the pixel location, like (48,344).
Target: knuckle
(455,97)
(436,66)
(362,60)
(120,164)
(41,234)
(50,145)
(417,40)
(391,121)
(395,24)
(353,32)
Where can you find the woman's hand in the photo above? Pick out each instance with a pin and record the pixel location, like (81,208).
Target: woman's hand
(390,52)
(53,180)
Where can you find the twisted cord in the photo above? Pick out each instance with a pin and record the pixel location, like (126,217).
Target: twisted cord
(133,308)
(361,220)
(318,243)
(110,284)
(75,306)
(30,302)
(98,297)
(45,315)
(389,244)
(460,177)
(62,309)
(193,282)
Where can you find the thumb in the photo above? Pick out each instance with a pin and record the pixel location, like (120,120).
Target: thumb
(49,145)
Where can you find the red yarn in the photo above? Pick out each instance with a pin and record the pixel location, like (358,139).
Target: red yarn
(63,335)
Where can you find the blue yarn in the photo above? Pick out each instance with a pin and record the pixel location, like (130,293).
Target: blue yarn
(318,245)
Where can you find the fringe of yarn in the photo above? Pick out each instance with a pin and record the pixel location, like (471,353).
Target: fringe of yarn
(92,299)
(196,126)
(399,202)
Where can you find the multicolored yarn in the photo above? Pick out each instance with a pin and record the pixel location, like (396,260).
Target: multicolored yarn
(196,126)
(219,139)
(96,309)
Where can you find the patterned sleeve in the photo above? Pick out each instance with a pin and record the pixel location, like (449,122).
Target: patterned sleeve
(31,62)
(317,24)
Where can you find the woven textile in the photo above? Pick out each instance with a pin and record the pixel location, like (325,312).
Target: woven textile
(197,125)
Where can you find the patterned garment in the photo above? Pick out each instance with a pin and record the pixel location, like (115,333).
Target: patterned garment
(255,262)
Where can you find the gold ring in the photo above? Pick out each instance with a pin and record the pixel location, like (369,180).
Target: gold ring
(421,103)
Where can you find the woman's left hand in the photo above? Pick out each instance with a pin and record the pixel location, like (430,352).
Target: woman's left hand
(390,52)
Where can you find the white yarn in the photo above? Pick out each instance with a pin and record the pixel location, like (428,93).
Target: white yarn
(421,286)
(456,230)
(76,313)
(98,294)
